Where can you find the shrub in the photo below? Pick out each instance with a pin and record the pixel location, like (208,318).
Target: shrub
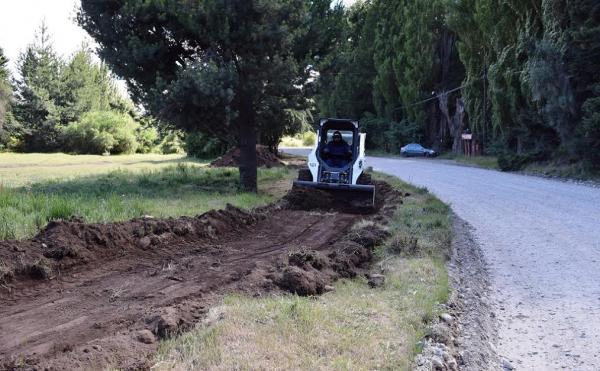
(309,138)
(147,138)
(100,132)
(172,143)
(201,145)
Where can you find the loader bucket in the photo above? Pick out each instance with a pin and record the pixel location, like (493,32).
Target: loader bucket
(343,197)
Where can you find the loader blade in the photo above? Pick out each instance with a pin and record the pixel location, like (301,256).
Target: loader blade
(358,199)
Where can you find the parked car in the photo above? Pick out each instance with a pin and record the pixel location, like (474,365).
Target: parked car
(415,149)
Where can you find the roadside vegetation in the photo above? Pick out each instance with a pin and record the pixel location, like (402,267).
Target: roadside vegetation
(486,162)
(306,139)
(39,188)
(552,169)
(352,327)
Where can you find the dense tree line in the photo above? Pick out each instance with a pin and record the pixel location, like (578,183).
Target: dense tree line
(522,75)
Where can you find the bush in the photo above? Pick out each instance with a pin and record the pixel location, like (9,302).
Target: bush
(201,145)
(513,162)
(100,132)
(172,143)
(309,138)
(147,138)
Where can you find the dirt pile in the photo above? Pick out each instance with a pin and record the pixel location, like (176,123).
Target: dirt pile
(264,157)
(309,272)
(353,202)
(65,244)
(82,294)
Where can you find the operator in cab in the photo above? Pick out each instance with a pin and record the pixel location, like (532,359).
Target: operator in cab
(337,153)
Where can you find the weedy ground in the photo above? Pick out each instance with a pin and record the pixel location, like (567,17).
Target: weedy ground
(352,327)
(36,189)
(486,162)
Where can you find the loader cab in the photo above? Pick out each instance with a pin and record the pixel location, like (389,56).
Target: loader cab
(349,131)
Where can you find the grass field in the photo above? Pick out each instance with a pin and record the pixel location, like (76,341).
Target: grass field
(21,169)
(39,188)
(353,327)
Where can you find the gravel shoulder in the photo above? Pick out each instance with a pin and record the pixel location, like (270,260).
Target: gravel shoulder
(476,326)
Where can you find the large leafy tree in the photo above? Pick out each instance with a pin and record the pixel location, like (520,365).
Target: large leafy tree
(212,65)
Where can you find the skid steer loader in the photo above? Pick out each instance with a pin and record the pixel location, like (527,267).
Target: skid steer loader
(343,174)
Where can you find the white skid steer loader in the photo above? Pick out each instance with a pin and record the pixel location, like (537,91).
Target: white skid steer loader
(337,163)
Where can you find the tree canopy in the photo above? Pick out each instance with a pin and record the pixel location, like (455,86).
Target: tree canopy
(526,74)
(222,67)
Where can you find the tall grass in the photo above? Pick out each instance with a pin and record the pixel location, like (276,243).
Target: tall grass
(121,195)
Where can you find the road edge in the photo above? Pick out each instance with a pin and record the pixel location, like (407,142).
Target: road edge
(476,325)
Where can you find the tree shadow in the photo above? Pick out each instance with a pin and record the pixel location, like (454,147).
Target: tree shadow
(165,183)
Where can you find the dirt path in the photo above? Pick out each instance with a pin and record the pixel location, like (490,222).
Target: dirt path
(116,288)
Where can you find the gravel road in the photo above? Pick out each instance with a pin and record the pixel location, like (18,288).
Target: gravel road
(541,239)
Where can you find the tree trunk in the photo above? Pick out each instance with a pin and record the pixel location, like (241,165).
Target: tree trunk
(445,120)
(247,144)
(458,126)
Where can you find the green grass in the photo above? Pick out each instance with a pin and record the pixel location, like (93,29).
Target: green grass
(382,153)
(306,139)
(18,169)
(486,162)
(140,187)
(353,327)
(575,171)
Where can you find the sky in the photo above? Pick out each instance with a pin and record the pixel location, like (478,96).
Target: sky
(20,19)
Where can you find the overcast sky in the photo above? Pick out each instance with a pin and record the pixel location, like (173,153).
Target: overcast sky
(19,20)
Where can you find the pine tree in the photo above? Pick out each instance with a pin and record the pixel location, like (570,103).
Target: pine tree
(5,93)
(37,88)
(209,64)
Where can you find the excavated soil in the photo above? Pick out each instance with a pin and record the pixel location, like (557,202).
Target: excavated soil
(264,157)
(92,296)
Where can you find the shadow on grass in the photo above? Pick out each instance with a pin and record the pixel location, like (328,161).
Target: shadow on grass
(160,183)
(122,195)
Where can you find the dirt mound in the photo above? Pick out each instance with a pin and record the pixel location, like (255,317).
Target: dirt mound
(309,272)
(62,245)
(354,202)
(264,157)
(80,296)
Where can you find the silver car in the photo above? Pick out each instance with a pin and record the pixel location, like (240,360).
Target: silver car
(415,149)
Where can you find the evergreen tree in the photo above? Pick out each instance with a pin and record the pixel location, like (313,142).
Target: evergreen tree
(209,65)
(5,93)
(85,86)
(37,88)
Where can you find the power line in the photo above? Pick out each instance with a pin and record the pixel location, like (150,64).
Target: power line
(437,96)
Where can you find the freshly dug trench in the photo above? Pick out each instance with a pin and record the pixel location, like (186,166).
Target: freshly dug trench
(110,290)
